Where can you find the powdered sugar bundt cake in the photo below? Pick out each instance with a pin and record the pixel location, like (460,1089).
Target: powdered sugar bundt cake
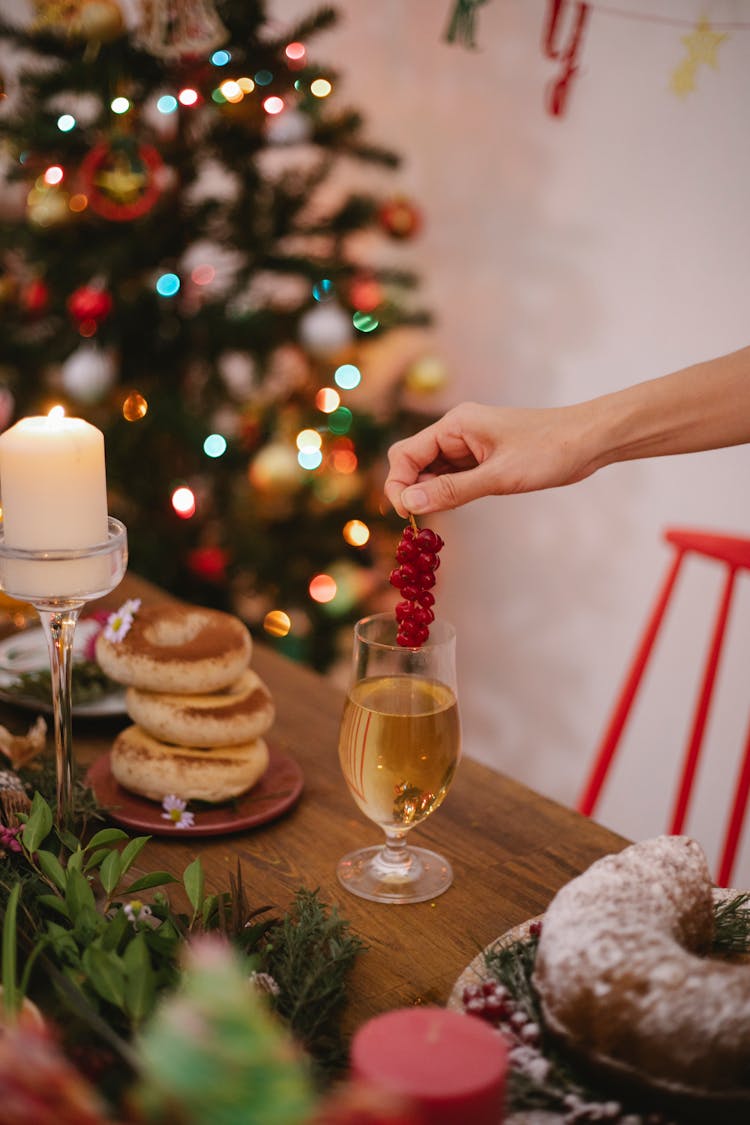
(623,979)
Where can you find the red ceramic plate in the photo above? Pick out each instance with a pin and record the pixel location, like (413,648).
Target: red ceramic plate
(277,791)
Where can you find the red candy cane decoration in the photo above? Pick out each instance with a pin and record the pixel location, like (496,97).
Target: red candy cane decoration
(567,54)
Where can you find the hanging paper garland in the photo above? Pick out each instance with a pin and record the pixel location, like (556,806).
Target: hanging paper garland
(122,179)
(565,48)
(567,54)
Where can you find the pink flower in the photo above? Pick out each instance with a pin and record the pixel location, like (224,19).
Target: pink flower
(9,838)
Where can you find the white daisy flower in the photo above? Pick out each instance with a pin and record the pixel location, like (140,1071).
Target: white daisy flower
(175,809)
(119,622)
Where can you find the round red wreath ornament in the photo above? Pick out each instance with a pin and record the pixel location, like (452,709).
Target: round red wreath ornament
(121,181)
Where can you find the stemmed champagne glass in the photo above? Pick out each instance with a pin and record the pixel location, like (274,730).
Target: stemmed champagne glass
(399,745)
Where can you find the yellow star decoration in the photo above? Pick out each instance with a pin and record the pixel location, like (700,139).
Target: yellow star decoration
(702,45)
(682,81)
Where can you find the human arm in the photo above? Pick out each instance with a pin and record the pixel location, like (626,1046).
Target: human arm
(476,450)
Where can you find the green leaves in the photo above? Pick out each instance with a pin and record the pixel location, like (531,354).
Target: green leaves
(38,824)
(10,997)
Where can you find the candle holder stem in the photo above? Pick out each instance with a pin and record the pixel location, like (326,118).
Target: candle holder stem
(58,582)
(59,628)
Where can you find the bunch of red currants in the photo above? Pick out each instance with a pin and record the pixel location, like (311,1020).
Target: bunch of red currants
(418,554)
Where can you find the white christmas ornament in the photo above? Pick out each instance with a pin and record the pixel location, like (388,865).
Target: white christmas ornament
(292,127)
(325,328)
(88,373)
(237,370)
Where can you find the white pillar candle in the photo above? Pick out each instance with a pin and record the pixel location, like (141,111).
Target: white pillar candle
(54,496)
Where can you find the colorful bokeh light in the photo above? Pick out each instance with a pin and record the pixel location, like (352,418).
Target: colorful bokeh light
(231,91)
(320,87)
(215,445)
(203,274)
(277,623)
(327,400)
(322,588)
(53,175)
(273,105)
(340,421)
(119,105)
(183,502)
(66,122)
(347,376)
(167,103)
(168,285)
(356,533)
(323,290)
(310,459)
(188,96)
(309,439)
(365,322)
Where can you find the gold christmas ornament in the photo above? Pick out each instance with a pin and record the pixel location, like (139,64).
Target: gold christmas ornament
(176,29)
(99,21)
(275,469)
(48,207)
(426,376)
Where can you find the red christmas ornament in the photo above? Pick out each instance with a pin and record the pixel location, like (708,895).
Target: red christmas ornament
(34,297)
(365,293)
(209,563)
(400,217)
(89,303)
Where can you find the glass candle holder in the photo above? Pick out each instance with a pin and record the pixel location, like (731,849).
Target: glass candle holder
(58,582)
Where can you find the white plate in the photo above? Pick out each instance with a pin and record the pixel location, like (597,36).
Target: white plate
(27,652)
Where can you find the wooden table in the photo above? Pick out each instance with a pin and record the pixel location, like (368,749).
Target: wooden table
(510,848)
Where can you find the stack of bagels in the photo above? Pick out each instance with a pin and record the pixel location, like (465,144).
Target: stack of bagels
(199,711)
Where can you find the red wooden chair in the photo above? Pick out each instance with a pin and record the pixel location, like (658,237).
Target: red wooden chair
(734,553)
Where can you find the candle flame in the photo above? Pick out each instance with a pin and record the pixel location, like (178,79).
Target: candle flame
(56,413)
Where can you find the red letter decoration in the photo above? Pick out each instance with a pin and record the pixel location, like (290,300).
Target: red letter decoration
(568,54)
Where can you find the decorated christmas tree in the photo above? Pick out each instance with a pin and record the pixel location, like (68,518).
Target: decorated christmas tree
(188,260)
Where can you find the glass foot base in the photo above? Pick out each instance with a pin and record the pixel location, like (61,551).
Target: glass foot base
(425,875)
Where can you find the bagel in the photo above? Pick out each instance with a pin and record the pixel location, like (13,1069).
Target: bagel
(241,713)
(623,979)
(143,765)
(177,648)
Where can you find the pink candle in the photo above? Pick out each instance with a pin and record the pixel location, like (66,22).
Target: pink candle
(450,1066)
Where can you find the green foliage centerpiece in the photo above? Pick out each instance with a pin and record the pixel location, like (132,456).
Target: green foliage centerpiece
(81,939)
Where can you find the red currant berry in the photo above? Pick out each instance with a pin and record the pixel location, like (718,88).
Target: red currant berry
(410,593)
(428,540)
(403,611)
(425,560)
(426,580)
(395,578)
(406,552)
(426,598)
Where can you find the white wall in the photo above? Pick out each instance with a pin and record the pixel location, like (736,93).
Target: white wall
(564,258)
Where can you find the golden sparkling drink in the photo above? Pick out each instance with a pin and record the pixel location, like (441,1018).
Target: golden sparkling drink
(399,746)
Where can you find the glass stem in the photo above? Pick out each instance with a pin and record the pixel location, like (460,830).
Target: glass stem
(59,627)
(395,854)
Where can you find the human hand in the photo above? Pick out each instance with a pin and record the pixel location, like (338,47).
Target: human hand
(476,450)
